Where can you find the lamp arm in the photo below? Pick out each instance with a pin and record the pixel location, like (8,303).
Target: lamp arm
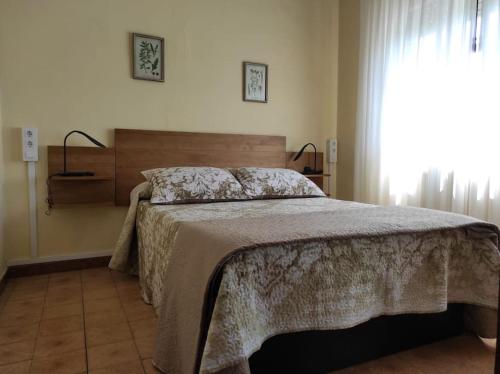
(299,153)
(302,151)
(96,142)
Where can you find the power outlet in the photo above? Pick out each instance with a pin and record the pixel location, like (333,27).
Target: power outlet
(331,150)
(30,144)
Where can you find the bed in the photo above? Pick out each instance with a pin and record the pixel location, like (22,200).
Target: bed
(226,277)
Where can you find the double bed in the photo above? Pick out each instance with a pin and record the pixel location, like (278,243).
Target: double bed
(225,277)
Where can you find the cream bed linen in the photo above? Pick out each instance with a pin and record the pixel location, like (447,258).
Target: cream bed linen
(273,290)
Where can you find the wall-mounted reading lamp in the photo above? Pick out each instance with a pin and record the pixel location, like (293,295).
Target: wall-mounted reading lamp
(307,169)
(67,173)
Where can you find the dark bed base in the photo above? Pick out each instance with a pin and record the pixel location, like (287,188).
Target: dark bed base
(324,351)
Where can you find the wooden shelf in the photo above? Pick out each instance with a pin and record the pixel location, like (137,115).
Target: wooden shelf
(83,204)
(95,190)
(82,179)
(316,175)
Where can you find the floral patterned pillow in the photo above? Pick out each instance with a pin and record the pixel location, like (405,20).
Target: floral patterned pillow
(275,183)
(192,184)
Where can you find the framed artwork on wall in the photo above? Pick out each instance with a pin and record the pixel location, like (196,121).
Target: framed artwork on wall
(255,77)
(148,57)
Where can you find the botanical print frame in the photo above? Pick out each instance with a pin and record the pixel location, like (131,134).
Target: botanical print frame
(148,57)
(255,77)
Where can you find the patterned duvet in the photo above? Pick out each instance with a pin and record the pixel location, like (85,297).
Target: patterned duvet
(273,290)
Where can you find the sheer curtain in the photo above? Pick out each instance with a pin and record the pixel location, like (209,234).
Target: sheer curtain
(428,128)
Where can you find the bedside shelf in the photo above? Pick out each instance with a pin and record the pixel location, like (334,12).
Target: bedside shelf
(73,191)
(81,179)
(316,175)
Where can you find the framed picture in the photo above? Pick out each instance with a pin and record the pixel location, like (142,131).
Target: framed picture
(255,82)
(148,58)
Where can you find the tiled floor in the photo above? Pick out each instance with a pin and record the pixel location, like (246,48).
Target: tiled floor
(465,354)
(94,321)
(75,322)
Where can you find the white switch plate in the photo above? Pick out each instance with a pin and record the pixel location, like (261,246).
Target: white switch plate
(331,150)
(30,144)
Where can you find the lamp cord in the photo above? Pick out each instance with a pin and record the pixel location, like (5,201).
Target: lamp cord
(49,201)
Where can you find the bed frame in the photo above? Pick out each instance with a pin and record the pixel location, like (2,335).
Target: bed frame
(304,352)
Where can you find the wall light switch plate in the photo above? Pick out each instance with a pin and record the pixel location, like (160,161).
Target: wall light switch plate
(331,150)
(30,144)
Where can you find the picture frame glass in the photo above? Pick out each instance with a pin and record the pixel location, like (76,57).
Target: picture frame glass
(255,84)
(148,57)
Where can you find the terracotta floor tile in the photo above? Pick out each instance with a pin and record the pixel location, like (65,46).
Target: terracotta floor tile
(128,285)
(124,287)
(95,272)
(15,352)
(120,277)
(107,334)
(63,363)
(129,298)
(143,328)
(392,364)
(4,295)
(134,367)
(54,344)
(138,309)
(145,346)
(112,354)
(30,287)
(18,333)
(30,293)
(103,319)
(62,325)
(105,281)
(94,276)
(63,295)
(17,368)
(65,278)
(112,304)
(91,279)
(64,289)
(32,280)
(10,319)
(23,305)
(99,293)
(149,368)
(98,285)
(62,310)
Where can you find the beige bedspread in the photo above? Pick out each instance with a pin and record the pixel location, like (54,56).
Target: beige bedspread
(338,266)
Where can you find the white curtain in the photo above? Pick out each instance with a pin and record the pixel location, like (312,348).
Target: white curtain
(428,127)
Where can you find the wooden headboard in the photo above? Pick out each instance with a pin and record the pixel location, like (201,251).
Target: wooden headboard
(138,150)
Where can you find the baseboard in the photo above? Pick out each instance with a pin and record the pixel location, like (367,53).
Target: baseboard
(54,264)
(40,260)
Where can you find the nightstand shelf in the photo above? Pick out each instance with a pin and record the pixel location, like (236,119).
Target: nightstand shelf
(86,178)
(96,190)
(316,175)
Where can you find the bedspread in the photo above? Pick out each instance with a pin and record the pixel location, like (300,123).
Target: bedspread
(288,285)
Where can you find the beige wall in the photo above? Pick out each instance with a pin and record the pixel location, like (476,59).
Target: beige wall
(2,203)
(65,64)
(348,66)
